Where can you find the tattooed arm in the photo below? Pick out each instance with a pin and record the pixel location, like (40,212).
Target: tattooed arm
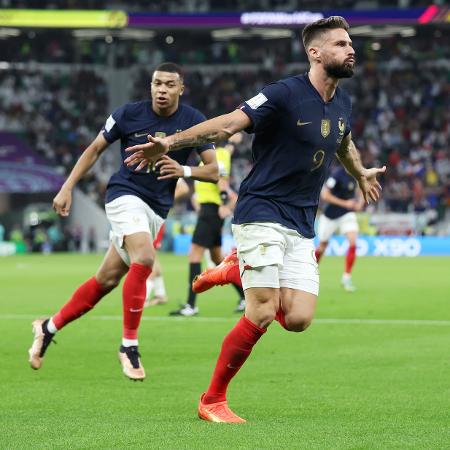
(214,130)
(350,158)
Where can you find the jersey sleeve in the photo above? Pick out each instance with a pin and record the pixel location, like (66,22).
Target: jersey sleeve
(112,128)
(198,117)
(264,107)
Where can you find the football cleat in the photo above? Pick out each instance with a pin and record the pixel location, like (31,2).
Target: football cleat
(226,272)
(156,300)
(42,340)
(129,357)
(347,284)
(187,311)
(217,412)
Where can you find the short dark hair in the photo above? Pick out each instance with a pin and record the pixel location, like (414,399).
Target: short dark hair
(314,29)
(170,67)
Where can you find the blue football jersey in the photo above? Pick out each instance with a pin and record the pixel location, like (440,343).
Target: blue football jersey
(341,185)
(131,124)
(296,137)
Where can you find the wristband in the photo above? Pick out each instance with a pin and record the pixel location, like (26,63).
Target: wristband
(187,172)
(224,197)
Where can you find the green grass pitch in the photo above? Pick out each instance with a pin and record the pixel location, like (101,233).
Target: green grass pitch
(372,372)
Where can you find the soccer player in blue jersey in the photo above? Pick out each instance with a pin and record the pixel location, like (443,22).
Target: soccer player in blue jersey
(342,200)
(136,206)
(300,124)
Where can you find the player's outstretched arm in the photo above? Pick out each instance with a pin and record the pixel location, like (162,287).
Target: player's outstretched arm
(63,199)
(209,171)
(350,158)
(217,129)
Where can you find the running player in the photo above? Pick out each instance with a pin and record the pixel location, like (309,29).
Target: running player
(339,193)
(300,123)
(136,205)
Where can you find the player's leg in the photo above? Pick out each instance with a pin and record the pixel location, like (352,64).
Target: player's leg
(190,309)
(325,229)
(156,279)
(299,281)
(83,300)
(155,285)
(217,257)
(349,227)
(261,284)
(134,226)
(142,254)
(298,309)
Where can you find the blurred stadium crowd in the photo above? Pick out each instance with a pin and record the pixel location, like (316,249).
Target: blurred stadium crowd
(401,95)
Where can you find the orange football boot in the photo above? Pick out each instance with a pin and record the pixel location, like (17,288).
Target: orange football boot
(217,412)
(226,272)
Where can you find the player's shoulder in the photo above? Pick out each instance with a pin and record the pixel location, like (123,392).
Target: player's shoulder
(134,108)
(298,87)
(343,98)
(183,108)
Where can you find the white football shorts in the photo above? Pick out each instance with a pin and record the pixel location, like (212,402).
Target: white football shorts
(127,215)
(278,257)
(345,224)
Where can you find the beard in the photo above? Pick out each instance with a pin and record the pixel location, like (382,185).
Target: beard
(335,70)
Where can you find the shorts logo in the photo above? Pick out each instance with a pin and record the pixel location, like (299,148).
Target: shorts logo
(325,127)
(136,219)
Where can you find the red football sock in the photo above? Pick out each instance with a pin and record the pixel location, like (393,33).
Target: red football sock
(134,289)
(233,276)
(350,258)
(236,347)
(280,317)
(318,254)
(82,301)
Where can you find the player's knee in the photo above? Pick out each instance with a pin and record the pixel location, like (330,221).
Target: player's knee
(298,325)
(144,259)
(109,280)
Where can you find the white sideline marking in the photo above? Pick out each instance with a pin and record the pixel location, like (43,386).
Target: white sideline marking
(445,323)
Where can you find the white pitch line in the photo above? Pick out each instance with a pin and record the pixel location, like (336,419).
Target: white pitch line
(444,323)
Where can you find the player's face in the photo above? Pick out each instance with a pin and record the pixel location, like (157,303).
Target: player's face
(337,54)
(166,89)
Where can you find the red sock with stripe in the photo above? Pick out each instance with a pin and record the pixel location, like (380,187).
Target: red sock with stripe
(134,290)
(236,348)
(350,258)
(82,301)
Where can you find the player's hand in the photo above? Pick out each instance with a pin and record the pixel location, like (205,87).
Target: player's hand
(169,168)
(224,211)
(369,185)
(62,202)
(145,154)
(349,204)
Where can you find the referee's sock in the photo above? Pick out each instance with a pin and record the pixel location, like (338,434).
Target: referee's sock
(194,270)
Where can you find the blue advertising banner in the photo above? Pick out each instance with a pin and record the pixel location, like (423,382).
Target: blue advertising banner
(391,246)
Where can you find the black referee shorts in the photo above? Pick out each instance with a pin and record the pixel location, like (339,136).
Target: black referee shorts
(208,231)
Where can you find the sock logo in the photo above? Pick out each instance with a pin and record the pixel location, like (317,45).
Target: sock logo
(135,310)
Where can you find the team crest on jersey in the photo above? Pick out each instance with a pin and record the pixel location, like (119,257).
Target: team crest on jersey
(325,127)
(160,134)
